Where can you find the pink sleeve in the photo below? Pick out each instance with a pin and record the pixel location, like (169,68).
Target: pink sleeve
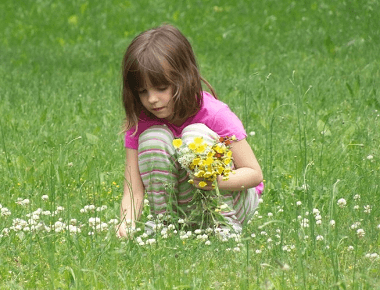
(131,141)
(226,123)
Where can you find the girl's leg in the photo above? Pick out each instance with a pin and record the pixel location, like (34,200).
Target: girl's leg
(158,168)
(244,202)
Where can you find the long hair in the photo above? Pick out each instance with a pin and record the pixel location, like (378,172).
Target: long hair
(165,57)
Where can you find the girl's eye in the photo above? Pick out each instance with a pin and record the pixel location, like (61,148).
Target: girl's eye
(162,88)
(141,91)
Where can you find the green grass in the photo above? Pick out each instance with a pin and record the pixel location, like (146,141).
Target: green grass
(290,70)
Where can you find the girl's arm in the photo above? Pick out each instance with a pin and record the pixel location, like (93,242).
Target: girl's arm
(247,170)
(133,197)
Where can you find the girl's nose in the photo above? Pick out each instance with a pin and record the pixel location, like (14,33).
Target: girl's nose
(152,97)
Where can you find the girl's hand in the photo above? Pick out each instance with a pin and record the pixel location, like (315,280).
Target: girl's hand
(198,180)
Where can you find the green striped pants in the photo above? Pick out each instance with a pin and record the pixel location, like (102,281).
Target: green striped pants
(166,183)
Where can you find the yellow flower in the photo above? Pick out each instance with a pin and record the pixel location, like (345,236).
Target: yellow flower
(220,170)
(227,161)
(233,137)
(196,161)
(201,148)
(192,146)
(229,154)
(198,140)
(177,143)
(210,154)
(202,184)
(208,161)
(191,181)
(200,173)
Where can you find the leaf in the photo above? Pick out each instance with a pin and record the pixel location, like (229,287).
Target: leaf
(92,138)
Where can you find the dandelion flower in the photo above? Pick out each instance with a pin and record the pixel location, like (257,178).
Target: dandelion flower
(177,143)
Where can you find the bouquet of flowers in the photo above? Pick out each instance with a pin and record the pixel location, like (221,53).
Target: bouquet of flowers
(206,162)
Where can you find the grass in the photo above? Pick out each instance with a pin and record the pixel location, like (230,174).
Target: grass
(301,75)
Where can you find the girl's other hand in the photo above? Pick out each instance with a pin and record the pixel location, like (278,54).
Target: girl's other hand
(208,185)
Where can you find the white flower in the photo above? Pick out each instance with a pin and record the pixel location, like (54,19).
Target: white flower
(254,236)
(45,197)
(367,208)
(93,221)
(357,197)
(197,231)
(224,206)
(236,249)
(252,133)
(70,164)
(5,211)
(315,211)
(342,203)
(146,202)
(318,217)
(350,248)
(181,221)
(356,207)
(378,227)
(360,233)
(258,251)
(332,223)
(318,222)
(151,241)
(319,238)
(370,157)
(298,203)
(305,223)
(207,243)
(261,200)
(270,214)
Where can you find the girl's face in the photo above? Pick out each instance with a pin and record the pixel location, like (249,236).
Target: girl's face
(157,100)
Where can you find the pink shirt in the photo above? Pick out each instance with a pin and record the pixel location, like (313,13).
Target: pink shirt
(214,114)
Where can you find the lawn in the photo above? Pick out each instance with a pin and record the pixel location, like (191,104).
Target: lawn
(301,75)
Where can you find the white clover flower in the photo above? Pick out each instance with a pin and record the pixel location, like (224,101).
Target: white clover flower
(252,133)
(144,235)
(253,235)
(141,243)
(74,229)
(197,231)
(261,200)
(236,249)
(189,233)
(305,223)
(357,197)
(318,222)
(306,237)
(350,248)
(181,221)
(258,251)
(91,233)
(224,206)
(374,256)
(171,227)
(370,157)
(360,233)
(269,240)
(332,223)
(93,221)
(45,197)
(280,210)
(270,214)
(146,202)
(113,221)
(367,209)
(355,225)
(60,208)
(378,227)
(356,207)
(319,238)
(298,203)
(263,233)
(315,211)
(151,241)
(183,237)
(207,243)
(341,202)
(70,164)
(318,217)
(285,248)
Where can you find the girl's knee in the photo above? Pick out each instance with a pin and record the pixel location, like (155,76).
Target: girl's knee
(198,130)
(158,136)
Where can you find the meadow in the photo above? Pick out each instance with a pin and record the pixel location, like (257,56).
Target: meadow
(301,75)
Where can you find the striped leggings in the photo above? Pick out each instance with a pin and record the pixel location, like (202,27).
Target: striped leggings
(166,183)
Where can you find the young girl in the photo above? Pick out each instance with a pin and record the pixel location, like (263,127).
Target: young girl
(163,100)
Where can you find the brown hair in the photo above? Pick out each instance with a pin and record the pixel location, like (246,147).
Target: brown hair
(165,57)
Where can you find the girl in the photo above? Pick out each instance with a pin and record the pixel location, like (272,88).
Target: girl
(163,100)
